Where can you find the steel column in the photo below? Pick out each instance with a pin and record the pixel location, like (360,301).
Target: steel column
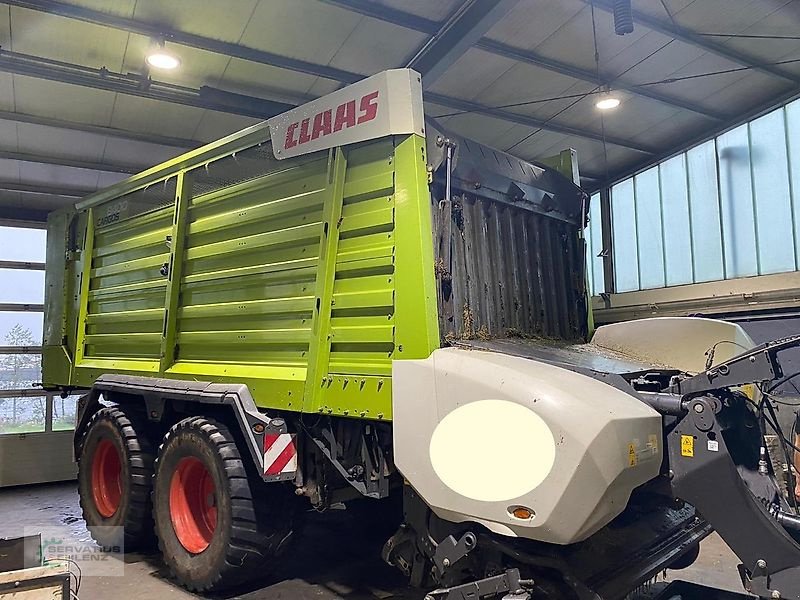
(606,227)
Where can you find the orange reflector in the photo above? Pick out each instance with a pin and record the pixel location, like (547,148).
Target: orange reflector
(523,513)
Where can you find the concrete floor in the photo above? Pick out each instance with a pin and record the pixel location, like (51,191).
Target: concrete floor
(320,567)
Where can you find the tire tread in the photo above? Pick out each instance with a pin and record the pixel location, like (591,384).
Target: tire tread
(255,535)
(138,525)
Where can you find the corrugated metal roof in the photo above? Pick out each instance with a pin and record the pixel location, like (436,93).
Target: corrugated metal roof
(292,51)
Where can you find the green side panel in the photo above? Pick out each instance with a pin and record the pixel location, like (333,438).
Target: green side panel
(123,291)
(417,311)
(286,280)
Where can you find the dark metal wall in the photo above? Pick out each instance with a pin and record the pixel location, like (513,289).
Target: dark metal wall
(513,273)
(508,247)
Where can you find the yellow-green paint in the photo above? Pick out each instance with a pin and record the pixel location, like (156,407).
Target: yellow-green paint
(175,269)
(319,352)
(303,283)
(418,332)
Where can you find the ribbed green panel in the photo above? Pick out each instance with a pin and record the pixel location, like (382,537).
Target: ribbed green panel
(281,278)
(126,288)
(249,270)
(362,314)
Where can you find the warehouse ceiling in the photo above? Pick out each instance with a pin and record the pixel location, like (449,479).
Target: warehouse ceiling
(79,110)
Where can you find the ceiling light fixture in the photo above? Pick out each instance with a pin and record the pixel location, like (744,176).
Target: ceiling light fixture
(606,101)
(159,58)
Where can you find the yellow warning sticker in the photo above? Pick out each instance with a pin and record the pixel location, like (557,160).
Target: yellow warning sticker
(633,460)
(652,442)
(687,445)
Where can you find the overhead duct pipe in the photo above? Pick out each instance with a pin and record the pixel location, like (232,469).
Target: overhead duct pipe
(623,17)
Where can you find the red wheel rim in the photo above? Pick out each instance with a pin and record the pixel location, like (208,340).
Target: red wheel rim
(106,478)
(193,504)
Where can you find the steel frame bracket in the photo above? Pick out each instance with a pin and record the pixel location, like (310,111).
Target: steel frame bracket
(704,475)
(509,582)
(756,365)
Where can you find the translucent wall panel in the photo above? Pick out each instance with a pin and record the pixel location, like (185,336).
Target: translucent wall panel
(736,194)
(21,286)
(701,165)
(20,328)
(771,193)
(64,410)
(22,244)
(649,235)
(19,371)
(22,415)
(793,138)
(595,246)
(626,253)
(727,208)
(676,222)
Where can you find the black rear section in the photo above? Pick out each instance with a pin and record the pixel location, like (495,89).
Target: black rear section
(508,244)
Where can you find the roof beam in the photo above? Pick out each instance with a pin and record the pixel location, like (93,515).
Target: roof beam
(411,21)
(70,162)
(19,221)
(457,35)
(135,85)
(372,9)
(690,37)
(472,107)
(214,99)
(184,39)
(562,68)
(17,216)
(47,190)
(104,130)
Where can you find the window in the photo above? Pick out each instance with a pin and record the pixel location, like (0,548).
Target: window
(625,244)
(727,208)
(677,224)
(64,411)
(23,407)
(594,247)
(23,244)
(22,414)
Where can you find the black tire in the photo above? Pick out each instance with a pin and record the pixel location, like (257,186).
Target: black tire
(116,436)
(251,520)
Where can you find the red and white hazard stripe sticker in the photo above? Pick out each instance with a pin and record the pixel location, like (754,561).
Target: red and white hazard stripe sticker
(280,453)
